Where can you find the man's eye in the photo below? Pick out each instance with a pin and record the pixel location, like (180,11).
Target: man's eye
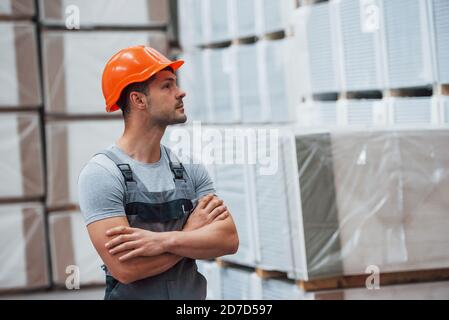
(166,86)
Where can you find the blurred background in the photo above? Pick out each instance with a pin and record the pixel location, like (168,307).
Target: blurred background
(358,90)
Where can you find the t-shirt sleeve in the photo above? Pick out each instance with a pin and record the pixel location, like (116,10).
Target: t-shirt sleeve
(101,194)
(203,182)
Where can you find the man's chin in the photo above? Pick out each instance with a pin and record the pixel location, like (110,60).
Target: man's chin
(180,119)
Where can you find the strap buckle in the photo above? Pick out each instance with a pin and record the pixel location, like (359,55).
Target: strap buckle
(126,171)
(178,170)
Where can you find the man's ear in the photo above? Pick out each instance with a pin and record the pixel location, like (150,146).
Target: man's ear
(138,99)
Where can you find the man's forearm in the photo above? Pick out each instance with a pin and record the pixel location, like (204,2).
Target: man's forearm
(143,267)
(214,240)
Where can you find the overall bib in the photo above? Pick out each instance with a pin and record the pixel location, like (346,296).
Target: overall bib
(158,212)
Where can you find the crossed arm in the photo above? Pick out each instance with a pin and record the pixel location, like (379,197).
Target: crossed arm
(132,254)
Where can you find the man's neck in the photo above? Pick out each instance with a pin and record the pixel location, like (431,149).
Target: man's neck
(142,145)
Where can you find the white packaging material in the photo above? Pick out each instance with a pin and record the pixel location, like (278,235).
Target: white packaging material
(104,12)
(23,247)
(21,158)
(72,251)
(408,59)
(74,64)
(70,145)
(359,31)
(19,77)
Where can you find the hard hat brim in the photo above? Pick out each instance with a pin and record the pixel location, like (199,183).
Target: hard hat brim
(144,75)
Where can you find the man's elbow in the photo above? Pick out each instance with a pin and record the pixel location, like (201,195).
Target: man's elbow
(122,275)
(233,244)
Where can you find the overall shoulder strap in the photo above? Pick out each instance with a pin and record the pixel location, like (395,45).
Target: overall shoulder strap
(124,168)
(176,167)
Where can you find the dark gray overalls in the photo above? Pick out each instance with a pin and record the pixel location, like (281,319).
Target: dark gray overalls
(158,212)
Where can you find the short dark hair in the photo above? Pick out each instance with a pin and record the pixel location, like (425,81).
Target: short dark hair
(142,87)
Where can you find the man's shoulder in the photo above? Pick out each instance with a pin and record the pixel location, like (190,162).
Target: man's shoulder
(101,164)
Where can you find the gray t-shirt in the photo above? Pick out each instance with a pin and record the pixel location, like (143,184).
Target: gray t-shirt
(101,185)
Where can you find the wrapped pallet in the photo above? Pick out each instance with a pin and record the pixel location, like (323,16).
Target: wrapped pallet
(74,62)
(23,247)
(142,13)
(72,252)
(21,158)
(70,145)
(19,64)
(17,9)
(369,199)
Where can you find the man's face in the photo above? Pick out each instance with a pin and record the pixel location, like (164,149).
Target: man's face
(165,104)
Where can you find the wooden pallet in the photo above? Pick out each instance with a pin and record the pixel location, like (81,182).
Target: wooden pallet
(385,279)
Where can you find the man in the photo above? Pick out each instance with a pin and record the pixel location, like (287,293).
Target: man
(148,215)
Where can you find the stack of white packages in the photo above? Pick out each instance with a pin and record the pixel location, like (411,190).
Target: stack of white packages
(242,18)
(440,14)
(212,273)
(319,29)
(70,145)
(17,9)
(217,65)
(272,15)
(413,111)
(215,21)
(192,79)
(190,30)
(359,42)
(143,13)
(23,249)
(276,104)
(444,108)
(19,64)
(408,50)
(275,251)
(21,161)
(236,284)
(74,63)
(245,87)
(73,254)
(234,184)
(364,112)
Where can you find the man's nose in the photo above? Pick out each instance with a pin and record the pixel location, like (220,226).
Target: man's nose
(181,95)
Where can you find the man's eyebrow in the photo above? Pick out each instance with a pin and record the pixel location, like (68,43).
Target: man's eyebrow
(169,79)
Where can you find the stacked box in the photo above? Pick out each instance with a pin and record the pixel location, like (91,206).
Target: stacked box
(21,160)
(70,145)
(17,9)
(20,85)
(143,13)
(22,247)
(72,251)
(74,63)
(396,221)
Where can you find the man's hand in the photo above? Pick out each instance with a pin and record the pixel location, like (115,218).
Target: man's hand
(209,209)
(140,242)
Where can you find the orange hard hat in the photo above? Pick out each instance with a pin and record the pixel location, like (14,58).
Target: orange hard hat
(130,65)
